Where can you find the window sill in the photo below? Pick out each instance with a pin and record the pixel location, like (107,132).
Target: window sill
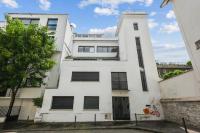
(120,90)
(91,110)
(60,109)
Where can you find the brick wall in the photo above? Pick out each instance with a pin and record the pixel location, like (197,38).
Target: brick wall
(175,110)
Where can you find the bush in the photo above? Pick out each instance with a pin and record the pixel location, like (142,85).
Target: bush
(172,74)
(189,63)
(38,101)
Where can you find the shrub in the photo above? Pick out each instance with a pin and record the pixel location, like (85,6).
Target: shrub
(172,74)
(38,101)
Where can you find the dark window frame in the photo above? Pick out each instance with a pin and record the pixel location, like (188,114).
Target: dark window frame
(109,49)
(197,43)
(143,80)
(52,25)
(139,52)
(135,26)
(93,78)
(84,49)
(30,19)
(89,105)
(118,83)
(70,107)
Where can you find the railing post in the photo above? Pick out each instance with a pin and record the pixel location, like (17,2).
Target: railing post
(95,119)
(184,124)
(75,121)
(136,122)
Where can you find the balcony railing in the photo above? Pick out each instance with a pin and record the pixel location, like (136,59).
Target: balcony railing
(89,35)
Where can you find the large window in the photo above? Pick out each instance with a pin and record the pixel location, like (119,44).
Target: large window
(143,80)
(91,102)
(86,49)
(119,81)
(28,21)
(135,26)
(139,52)
(107,49)
(85,76)
(52,23)
(62,102)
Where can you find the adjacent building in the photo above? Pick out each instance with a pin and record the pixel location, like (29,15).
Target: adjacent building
(181,94)
(106,79)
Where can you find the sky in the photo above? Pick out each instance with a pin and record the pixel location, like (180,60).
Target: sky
(101,16)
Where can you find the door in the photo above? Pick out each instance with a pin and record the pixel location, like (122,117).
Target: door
(121,109)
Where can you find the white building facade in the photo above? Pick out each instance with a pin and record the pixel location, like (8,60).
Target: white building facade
(106,79)
(58,26)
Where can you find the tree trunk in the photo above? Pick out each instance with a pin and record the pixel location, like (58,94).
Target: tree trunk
(11,103)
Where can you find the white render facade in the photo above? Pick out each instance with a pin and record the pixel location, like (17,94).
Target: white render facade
(101,77)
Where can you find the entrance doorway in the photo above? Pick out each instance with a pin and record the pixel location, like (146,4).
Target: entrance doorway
(121,109)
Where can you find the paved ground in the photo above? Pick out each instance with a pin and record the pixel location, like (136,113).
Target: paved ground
(93,131)
(104,127)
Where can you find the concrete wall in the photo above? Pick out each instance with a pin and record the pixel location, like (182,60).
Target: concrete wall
(27,111)
(182,86)
(188,19)
(175,110)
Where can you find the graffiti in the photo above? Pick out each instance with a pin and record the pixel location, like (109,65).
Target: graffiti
(152,109)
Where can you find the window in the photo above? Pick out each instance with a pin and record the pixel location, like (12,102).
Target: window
(139,52)
(119,81)
(197,43)
(52,23)
(135,25)
(85,76)
(28,21)
(86,49)
(62,102)
(144,82)
(107,49)
(3,93)
(91,102)
(33,82)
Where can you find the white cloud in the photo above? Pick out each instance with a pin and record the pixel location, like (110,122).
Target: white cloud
(74,25)
(152,24)
(112,3)
(170,52)
(45,4)
(153,14)
(108,31)
(170,15)
(10,3)
(170,28)
(106,11)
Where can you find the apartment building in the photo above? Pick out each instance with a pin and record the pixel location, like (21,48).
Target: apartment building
(58,26)
(106,79)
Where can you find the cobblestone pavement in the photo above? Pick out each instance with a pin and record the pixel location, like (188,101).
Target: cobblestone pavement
(92,131)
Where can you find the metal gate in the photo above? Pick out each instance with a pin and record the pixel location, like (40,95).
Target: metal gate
(14,114)
(121,109)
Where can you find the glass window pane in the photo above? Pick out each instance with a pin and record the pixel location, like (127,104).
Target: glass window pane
(52,21)
(91,102)
(35,21)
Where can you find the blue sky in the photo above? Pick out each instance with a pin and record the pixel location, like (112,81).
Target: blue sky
(101,16)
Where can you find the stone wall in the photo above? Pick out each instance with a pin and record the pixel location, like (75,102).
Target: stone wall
(176,109)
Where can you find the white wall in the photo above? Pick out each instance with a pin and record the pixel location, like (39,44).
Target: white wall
(188,17)
(182,86)
(128,63)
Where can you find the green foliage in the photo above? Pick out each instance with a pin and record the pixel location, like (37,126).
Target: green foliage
(172,74)
(189,63)
(25,52)
(38,101)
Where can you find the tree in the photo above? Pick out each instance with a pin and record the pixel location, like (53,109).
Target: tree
(25,53)
(172,74)
(189,63)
